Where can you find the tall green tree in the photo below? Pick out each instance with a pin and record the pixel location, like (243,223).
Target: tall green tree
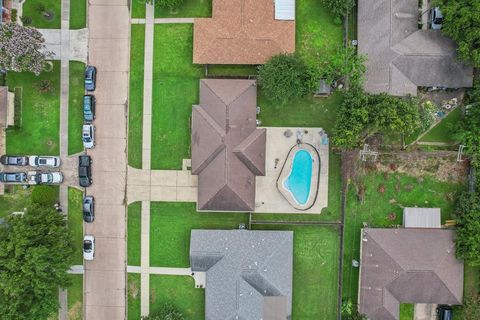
(35,254)
(462,24)
(286,77)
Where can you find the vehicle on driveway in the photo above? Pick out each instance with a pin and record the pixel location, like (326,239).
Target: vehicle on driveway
(444,312)
(88,136)
(88,247)
(85,170)
(14,160)
(13,177)
(88,108)
(35,177)
(436,18)
(88,209)
(44,161)
(90,78)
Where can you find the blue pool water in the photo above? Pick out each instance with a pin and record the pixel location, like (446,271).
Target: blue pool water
(298,182)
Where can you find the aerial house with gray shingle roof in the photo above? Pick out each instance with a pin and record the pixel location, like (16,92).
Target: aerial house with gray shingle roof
(400,56)
(248,273)
(228,150)
(410,265)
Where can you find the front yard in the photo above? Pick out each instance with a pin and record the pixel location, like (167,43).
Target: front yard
(40,124)
(45,14)
(170,226)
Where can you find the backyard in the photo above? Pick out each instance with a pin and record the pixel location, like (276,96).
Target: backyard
(40,113)
(75,107)
(170,226)
(75,223)
(377,195)
(44,14)
(445,130)
(175,90)
(135,105)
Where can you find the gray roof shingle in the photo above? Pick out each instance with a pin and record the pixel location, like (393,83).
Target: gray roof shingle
(247,272)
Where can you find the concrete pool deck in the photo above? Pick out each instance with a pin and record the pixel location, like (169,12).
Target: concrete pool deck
(268,198)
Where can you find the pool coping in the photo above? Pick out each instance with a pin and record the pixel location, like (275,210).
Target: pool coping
(314,184)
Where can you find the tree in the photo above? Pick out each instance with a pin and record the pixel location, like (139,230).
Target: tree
(167,311)
(286,77)
(44,195)
(35,254)
(461,23)
(22,49)
(168,4)
(467,240)
(471,308)
(338,7)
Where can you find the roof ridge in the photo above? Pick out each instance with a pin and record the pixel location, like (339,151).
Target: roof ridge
(215,93)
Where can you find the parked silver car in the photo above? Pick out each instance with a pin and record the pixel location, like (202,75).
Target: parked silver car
(88,136)
(44,161)
(436,18)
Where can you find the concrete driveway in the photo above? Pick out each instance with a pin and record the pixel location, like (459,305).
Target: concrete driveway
(105,276)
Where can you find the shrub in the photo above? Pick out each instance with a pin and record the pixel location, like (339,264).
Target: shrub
(44,195)
(167,311)
(26,20)
(286,77)
(14,15)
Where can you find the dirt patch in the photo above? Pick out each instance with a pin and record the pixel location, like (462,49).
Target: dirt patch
(133,290)
(75,312)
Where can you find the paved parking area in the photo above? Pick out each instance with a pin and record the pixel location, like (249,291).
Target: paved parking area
(105,276)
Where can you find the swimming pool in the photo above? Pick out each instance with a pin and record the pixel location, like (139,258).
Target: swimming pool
(300,178)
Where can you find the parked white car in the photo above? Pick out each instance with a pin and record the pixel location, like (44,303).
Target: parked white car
(88,136)
(35,177)
(44,161)
(88,247)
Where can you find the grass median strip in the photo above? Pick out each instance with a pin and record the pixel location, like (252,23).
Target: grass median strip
(133,296)
(75,223)
(75,107)
(134,229)
(75,297)
(78,14)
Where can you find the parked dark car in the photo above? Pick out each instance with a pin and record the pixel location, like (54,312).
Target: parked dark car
(85,170)
(14,160)
(13,177)
(90,78)
(88,209)
(88,108)
(444,312)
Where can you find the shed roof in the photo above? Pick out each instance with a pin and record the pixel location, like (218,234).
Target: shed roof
(243,32)
(421,218)
(248,273)
(284,9)
(400,57)
(228,150)
(407,266)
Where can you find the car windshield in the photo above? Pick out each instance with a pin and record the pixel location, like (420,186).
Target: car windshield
(438,20)
(87,139)
(87,245)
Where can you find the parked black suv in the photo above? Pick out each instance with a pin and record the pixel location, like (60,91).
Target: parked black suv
(13,177)
(444,312)
(14,160)
(85,170)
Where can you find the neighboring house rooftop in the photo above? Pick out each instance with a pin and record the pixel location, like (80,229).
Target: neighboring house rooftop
(228,150)
(244,32)
(407,266)
(401,57)
(248,273)
(421,218)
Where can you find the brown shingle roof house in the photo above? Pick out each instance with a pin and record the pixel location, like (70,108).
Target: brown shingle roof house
(407,266)
(228,150)
(243,32)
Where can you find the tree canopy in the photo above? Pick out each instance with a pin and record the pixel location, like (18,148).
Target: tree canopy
(286,77)
(467,240)
(361,115)
(22,49)
(35,254)
(338,7)
(462,24)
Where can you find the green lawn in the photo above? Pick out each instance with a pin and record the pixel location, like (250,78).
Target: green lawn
(315,270)
(406,311)
(179,291)
(444,131)
(78,14)
(175,90)
(170,226)
(331,213)
(75,223)
(32,9)
(133,296)
(39,133)
(15,199)
(138,8)
(232,70)
(189,9)
(75,297)
(377,207)
(135,106)
(75,107)
(134,229)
